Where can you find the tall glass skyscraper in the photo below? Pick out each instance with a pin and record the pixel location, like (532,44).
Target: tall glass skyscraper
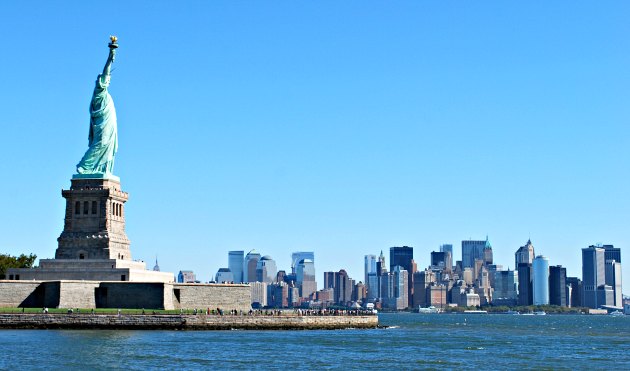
(305,277)
(558,286)
(235,264)
(403,256)
(369,267)
(473,250)
(249,266)
(593,275)
(541,280)
(298,256)
(266,270)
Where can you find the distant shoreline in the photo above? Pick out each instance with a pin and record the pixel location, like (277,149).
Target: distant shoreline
(184,322)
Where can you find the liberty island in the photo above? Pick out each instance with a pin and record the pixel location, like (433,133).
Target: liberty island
(93,266)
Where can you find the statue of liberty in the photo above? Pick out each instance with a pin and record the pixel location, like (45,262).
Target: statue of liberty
(98,160)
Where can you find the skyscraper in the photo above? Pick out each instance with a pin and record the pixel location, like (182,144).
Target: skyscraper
(448,250)
(235,264)
(341,284)
(421,281)
(612,253)
(266,270)
(558,285)
(403,256)
(593,275)
(380,264)
(298,256)
(224,275)
(473,250)
(505,288)
(612,261)
(438,260)
(576,292)
(613,279)
(249,266)
(525,254)
(541,280)
(447,247)
(369,266)
(525,294)
(305,277)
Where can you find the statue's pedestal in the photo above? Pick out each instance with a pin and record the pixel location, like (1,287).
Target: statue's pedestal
(94,223)
(93,245)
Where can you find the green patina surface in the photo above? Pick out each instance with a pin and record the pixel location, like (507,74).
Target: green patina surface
(98,160)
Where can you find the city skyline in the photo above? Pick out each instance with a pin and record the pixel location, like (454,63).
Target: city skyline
(342,129)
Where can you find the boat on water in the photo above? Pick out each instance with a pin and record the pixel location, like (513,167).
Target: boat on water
(514,312)
(616,313)
(540,313)
(427,310)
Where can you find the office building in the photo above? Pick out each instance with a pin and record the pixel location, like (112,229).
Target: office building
(525,254)
(298,256)
(341,284)
(421,281)
(475,250)
(593,275)
(224,275)
(441,260)
(403,256)
(613,279)
(575,292)
(305,277)
(612,253)
(249,266)
(186,277)
(541,280)
(259,294)
(266,269)
(525,290)
(369,266)
(558,286)
(394,288)
(447,248)
(278,295)
(380,264)
(373,287)
(505,288)
(235,264)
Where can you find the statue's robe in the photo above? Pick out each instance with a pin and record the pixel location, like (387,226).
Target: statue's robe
(103,137)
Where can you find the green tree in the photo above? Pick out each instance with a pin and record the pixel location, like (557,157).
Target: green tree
(23,261)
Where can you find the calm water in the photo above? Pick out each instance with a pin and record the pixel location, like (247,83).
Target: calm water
(417,341)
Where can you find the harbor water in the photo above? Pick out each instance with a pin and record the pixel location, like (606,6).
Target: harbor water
(410,341)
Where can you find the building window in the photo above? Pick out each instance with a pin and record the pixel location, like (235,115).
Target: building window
(86,205)
(123,277)
(77,208)
(93,207)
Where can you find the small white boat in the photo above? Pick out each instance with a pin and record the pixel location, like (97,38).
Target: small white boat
(540,313)
(430,309)
(616,313)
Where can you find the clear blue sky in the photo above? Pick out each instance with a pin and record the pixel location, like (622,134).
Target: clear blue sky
(338,127)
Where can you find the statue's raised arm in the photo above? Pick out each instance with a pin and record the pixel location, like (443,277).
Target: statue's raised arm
(113,45)
(98,160)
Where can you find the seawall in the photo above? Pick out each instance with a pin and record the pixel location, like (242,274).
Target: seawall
(183,322)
